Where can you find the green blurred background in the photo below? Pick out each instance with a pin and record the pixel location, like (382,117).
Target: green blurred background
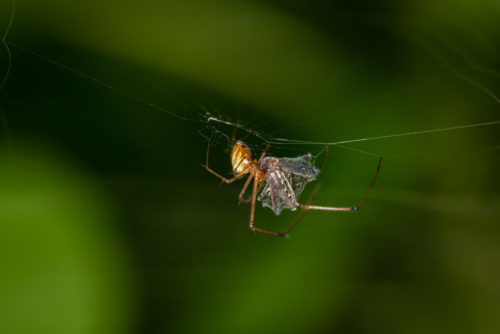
(110,224)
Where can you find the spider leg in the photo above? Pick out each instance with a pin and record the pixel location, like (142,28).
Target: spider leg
(325,156)
(265,151)
(217,174)
(240,196)
(354,208)
(249,199)
(302,212)
(252,212)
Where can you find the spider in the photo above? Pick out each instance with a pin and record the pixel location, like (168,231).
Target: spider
(278,182)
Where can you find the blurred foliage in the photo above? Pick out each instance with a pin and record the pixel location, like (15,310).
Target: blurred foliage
(121,230)
(62,270)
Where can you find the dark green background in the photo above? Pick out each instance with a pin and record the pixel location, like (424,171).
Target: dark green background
(110,224)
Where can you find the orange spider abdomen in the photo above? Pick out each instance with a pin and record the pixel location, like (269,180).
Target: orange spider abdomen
(241,159)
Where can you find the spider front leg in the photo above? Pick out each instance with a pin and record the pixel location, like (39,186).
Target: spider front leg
(248,200)
(217,174)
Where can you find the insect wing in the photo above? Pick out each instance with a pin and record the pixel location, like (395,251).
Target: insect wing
(299,171)
(300,166)
(278,193)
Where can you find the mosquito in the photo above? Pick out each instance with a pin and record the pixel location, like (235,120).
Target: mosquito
(278,182)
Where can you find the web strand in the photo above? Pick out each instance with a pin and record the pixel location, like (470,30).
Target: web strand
(209,118)
(284,141)
(100,82)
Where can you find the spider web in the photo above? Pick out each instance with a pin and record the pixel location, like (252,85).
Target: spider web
(438,132)
(282,132)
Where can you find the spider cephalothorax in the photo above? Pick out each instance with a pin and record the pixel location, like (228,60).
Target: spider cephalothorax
(278,181)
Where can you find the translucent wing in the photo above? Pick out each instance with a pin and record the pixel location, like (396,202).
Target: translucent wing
(301,166)
(286,179)
(278,193)
(299,172)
